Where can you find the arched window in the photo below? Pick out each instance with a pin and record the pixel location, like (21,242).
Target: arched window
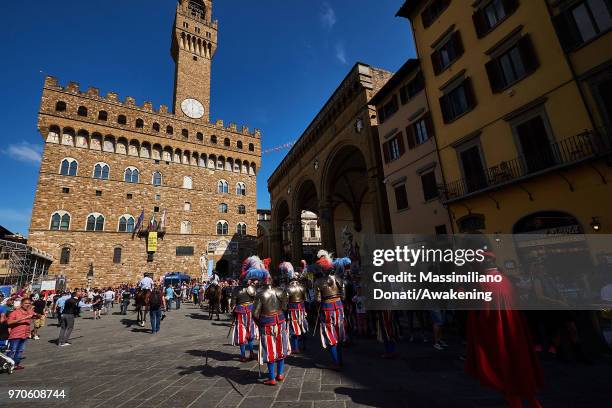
(60,220)
(187,182)
(169,130)
(240,188)
(251,147)
(69,167)
(101,171)
(223,208)
(199,136)
(185,227)
(131,175)
(241,229)
(226,142)
(239,144)
(121,119)
(117,255)
(222,186)
(187,206)
(222,228)
(60,106)
(213,139)
(126,223)
(241,209)
(157,178)
(82,111)
(156,127)
(139,123)
(185,133)
(103,115)
(65,256)
(95,222)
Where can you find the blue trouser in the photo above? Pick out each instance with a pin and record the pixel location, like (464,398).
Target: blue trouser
(336,353)
(178,303)
(169,304)
(16,347)
(155,316)
(272,369)
(244,346)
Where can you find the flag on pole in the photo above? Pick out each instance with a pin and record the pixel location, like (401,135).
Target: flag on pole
(138,223)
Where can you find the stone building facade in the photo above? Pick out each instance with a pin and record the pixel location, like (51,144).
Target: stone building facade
(106,161)
(334,171)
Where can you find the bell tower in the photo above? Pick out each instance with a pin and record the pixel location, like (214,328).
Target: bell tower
(194,42)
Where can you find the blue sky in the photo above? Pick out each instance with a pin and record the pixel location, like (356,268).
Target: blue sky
(277,63)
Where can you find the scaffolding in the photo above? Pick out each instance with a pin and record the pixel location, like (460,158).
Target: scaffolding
(21,265)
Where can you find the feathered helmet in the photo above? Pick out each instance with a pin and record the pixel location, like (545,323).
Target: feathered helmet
(258,274)
(325,260)
(340,265)
(252,263)
(286,271)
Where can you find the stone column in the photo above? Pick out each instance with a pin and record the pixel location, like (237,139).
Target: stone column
(297,250)
(326,220)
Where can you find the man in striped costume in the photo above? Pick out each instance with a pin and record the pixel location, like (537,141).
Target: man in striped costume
(329,293)
(296,311)
(274,344)
(244,329)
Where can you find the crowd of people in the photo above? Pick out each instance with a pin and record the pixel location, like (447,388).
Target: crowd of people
(324,299)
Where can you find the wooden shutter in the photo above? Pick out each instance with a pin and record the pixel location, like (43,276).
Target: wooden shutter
(496,79)
(480,24)
(528,55)
(445,108)
(457,44)
(381,115)
(411,137)
(435,61)
(469,92)
(386,152)
(568,33)
(400,143)
(510,6)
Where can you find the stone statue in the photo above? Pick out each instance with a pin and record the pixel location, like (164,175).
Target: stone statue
(204,264)
(347,241)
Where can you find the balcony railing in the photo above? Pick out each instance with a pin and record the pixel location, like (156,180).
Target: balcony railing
(546,158)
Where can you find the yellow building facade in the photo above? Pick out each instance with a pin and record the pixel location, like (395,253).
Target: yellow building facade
(521,107)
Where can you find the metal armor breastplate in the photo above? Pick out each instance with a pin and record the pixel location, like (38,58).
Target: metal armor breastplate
(244,295)
(271,300)
(296,292)
(329,287)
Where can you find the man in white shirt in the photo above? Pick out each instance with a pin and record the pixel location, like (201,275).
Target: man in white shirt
(109,297)
(146,283)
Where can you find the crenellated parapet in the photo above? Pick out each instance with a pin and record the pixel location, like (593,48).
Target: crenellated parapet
(71,94)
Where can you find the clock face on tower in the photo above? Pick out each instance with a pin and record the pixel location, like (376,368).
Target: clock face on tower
(192,108)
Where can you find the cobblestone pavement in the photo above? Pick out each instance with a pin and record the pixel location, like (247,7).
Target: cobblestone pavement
(115,363)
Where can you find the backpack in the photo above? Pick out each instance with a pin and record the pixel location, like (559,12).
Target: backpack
(155,300)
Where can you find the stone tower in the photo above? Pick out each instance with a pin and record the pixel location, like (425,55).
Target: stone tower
(194,42)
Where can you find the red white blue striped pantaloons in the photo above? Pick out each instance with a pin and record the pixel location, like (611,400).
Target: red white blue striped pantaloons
(245,328)
(333,326)
(273,338)
(296,316)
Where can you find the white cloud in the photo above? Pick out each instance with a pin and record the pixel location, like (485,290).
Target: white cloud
(328,16)
(341,53)
(25,152)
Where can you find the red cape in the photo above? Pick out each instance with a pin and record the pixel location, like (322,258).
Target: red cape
(499,349)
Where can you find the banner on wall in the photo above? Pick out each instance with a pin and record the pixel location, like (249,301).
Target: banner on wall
(152,242)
